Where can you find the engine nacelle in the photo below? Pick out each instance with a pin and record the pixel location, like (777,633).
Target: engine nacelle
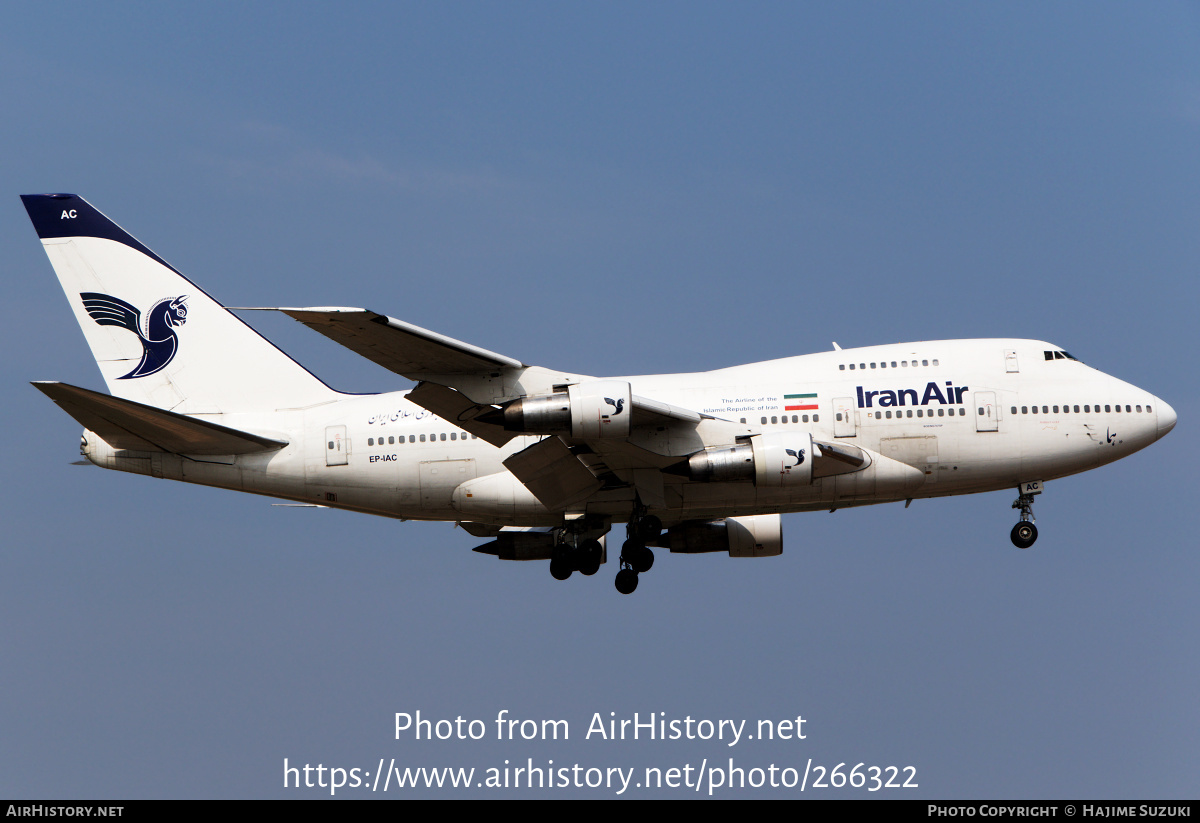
(529,544)
(770,460)
(755,536)
(782,459)
(595,410)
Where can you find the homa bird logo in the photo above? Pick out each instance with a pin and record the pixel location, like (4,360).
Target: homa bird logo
(617,404)
(159,342)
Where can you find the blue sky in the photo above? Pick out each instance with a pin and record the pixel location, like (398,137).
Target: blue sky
(611,189)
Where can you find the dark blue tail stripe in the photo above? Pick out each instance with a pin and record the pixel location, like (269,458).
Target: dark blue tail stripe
(69,215)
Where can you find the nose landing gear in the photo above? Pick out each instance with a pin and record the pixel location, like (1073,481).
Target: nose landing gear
(1025,532)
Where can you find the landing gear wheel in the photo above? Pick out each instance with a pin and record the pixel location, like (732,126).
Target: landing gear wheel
(561,566)
(627,580)
(639,558)
(588,554)
(1023,535)
(644,560)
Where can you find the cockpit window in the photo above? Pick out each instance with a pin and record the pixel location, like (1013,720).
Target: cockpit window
(1060,355)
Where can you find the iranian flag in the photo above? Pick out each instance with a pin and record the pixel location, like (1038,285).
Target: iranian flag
(803,402)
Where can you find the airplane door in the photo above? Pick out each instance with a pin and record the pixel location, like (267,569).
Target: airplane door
(843,417)
(1010,361)
(987,413)
(337,446)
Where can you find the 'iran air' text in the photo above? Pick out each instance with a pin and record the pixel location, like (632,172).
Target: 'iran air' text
(933,394)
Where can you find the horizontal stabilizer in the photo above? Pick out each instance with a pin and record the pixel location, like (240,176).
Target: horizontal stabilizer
(125,424)
(403,348)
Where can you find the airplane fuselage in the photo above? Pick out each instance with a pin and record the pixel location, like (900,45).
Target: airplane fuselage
(966,415)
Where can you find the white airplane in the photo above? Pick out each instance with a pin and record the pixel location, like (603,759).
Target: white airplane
(546,462)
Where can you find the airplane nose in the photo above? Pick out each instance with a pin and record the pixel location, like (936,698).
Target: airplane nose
(1166,417)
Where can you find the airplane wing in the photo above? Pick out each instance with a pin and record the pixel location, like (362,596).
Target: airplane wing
(403,348)
(478,390)
(125,424)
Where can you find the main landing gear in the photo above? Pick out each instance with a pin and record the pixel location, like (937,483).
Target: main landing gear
(635,556)
(576,550)
(1025,532)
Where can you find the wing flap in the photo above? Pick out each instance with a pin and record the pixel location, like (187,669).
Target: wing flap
(554,475)
(125,424)
(403,348)
(454,407)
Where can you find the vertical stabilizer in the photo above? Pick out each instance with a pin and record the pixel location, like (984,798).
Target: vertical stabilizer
(156,336)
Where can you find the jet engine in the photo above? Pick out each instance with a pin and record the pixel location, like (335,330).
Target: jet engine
(779,459)
(595,410)
(755,536)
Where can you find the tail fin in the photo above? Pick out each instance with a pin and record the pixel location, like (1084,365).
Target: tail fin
(157,337)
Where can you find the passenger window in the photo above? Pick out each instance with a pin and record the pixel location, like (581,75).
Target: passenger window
(889,415)
(743,420)
(422,438)
(816,418)
(1107,408)
(1077,409)
(453,435)
(412,438)
(443,435)
(935,362)
(872,365)
(1056,409)
(1014,410)
(878,415)
(920,412)
(370,441)
(764,421)
(851,367)
(941,412)
(909,413)
(924,362)
(804,418)
(1139,408)
(795,419)
(842,367)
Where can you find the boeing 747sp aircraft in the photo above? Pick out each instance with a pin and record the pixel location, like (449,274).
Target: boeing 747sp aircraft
(544,463)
